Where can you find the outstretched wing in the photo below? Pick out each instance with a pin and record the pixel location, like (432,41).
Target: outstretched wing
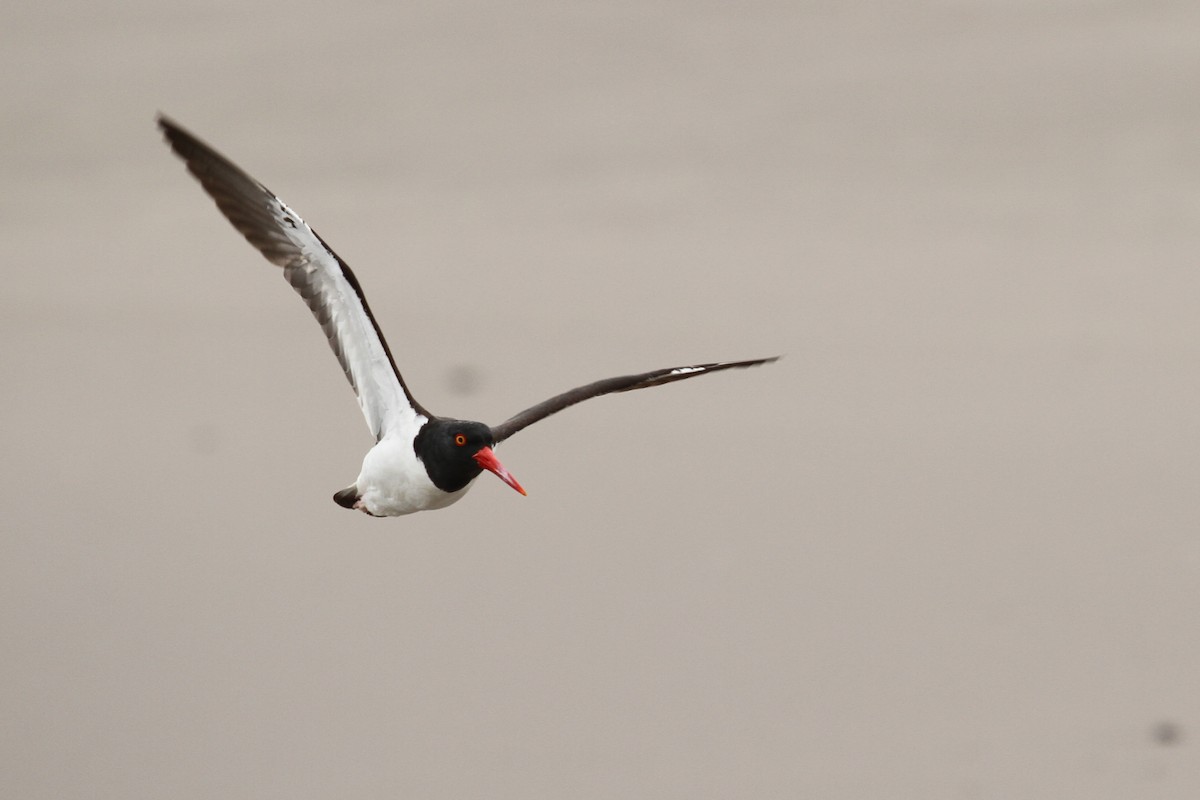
(316,273)
(625,383)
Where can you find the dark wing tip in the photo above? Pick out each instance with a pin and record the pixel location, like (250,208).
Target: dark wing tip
(165,123)
(179,138)
(672,374)
(249,206)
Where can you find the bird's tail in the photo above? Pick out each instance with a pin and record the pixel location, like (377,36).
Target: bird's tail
(347,497)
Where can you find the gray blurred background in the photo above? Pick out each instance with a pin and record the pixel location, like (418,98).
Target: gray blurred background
(947,548)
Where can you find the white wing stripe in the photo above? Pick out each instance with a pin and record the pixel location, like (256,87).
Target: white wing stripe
(323,280)
(318,278)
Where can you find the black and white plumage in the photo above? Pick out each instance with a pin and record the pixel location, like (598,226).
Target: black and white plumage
(420,461)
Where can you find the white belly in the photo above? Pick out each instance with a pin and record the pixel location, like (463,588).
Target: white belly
(393,481)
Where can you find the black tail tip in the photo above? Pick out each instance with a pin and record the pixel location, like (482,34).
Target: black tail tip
(347,497)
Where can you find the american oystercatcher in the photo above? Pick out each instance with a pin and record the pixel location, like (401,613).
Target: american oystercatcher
(420,461)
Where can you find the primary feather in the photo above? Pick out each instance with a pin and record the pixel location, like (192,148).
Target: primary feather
(318,275)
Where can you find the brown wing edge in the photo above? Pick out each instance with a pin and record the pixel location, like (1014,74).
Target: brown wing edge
(624,383)
(245,203)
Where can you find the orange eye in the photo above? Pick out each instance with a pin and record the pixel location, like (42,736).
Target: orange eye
(460,439)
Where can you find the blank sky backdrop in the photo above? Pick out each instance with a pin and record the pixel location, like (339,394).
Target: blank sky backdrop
(946,548)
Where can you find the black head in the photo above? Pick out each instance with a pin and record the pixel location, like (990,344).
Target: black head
(455,451)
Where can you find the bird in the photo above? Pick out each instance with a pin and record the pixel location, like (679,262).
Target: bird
(420,461)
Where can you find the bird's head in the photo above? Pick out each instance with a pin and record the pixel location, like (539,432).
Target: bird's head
(455,451)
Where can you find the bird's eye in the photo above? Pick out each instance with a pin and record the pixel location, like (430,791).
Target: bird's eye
(460,439)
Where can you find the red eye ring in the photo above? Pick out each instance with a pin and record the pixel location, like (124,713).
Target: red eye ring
(460,439)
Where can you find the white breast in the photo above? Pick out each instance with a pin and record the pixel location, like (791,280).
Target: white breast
(393,481)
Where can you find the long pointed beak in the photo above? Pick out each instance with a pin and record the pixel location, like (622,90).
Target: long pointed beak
(487,459)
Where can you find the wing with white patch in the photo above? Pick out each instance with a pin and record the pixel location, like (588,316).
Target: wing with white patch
(625,383)
(319,276)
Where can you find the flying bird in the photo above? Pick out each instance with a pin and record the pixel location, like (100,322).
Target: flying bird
(420,461)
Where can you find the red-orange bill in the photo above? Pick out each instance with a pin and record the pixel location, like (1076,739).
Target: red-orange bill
(487,459)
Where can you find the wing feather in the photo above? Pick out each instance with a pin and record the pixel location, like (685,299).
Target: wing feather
(319,276)
(624,383)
